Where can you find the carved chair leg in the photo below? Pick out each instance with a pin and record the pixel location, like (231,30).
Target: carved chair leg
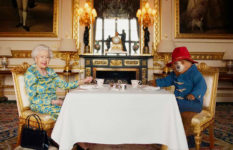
(211,135)
(19,134)
(198,140)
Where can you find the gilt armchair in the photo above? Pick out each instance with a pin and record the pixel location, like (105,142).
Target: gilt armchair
(23,103)
(204,119)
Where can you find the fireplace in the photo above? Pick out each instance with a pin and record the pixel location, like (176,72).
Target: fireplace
(117,67)
(115,74)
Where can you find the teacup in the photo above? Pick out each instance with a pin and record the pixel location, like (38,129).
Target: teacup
(123,86)
(135,83)
(99,82)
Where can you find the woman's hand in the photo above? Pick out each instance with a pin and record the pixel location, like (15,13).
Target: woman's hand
(86,80)
(58,102)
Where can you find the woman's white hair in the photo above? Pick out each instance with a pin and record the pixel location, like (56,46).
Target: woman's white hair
(39,48)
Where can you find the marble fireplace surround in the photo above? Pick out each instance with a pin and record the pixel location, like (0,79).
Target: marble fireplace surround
(112,67)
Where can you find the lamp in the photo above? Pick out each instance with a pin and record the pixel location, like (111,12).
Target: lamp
(228,56)
(145,17)
(86,17)
(68,46)
(4,53)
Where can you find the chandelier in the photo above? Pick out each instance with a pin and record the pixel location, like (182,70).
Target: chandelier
(146,15)
(86,15)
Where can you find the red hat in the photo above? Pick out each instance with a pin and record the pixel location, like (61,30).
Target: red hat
(180,53)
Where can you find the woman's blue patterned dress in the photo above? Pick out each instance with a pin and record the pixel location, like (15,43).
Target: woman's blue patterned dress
(42,89)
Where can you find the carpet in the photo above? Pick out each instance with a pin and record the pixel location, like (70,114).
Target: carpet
(223,130)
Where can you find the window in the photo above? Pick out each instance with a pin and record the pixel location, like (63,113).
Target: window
(106,27)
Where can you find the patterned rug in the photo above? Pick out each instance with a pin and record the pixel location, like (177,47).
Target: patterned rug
(223,130)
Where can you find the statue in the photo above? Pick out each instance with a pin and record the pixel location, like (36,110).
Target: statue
(86,39)
(123,38)
(146,40)
(108,42)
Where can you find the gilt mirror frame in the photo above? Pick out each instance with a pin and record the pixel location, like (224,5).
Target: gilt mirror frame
(195,20)
(43,30)
(156,26)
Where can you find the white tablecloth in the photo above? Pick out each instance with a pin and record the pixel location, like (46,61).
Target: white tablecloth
(132,116)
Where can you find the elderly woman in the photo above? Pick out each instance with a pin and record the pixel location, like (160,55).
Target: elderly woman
(41,83)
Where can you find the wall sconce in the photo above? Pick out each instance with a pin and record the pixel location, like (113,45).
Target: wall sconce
(228,57)
(146,17)
(68,46)
(4,53)
(86,17)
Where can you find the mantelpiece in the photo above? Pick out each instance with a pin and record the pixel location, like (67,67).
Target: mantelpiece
(134,67)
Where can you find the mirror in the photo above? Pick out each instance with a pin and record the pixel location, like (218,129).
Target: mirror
(116,22)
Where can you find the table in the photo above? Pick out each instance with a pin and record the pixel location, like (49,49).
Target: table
(132,116)
(3,74)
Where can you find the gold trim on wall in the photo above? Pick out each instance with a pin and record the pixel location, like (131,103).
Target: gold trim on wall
(56,54)
(76,24)
(195,55)
(54,33)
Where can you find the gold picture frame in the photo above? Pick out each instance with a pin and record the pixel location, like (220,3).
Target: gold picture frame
(156,27)
(41,18)
(201,21)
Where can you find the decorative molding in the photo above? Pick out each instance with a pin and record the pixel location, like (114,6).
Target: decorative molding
(195,55)
(56,54)
(87,62)
(116,63)
(88,71)
(76,24)
(100,62)
(128,62)
(144,77)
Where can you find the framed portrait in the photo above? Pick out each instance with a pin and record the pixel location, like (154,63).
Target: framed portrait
(209,19)
(29,18)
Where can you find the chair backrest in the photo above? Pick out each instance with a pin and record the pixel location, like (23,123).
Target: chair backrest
(19,86)
(211,77)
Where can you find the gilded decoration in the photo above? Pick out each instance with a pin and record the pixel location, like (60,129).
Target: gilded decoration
(99,62)
(88,62)
(131,62)
(21,68)
(144,73)
(144,63)
(116,63)
(88,71)
(156,27)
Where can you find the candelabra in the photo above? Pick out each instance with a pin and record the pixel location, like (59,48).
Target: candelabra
(86,17)
(146,17)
